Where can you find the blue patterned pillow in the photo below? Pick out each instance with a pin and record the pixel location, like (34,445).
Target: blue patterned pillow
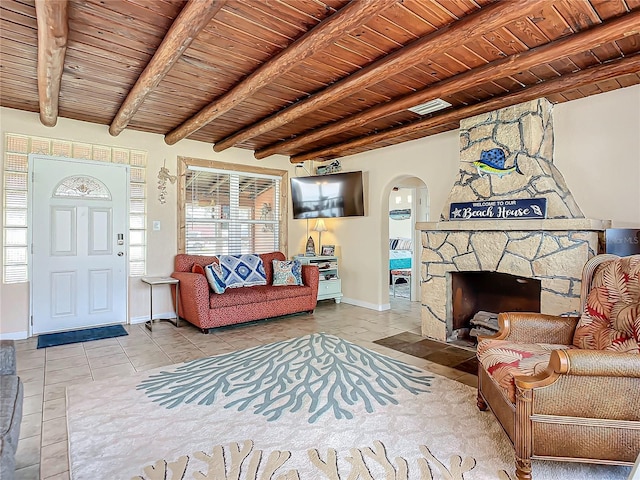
(242,270)
(287,272)
(214,276)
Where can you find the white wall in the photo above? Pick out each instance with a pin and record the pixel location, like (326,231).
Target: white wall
(597,148)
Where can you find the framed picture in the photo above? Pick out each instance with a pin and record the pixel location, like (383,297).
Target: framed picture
(328,250)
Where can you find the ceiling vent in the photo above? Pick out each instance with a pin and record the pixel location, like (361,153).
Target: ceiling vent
(430,107)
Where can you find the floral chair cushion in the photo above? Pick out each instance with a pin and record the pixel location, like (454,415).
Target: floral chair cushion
(611,317)
(504,360)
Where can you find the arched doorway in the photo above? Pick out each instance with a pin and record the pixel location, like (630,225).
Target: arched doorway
(408,203)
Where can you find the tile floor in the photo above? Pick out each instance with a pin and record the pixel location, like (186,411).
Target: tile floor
(42,449)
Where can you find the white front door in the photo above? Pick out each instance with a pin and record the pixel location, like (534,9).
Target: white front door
(79,238)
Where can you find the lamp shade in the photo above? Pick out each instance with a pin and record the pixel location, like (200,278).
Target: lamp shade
(320,226)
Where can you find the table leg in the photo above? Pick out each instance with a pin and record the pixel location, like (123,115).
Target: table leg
(149,324)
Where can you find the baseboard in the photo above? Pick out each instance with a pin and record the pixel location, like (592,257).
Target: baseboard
(14,336)
(370,306)
(156,316)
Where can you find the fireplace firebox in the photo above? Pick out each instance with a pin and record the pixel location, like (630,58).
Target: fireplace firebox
(488,294)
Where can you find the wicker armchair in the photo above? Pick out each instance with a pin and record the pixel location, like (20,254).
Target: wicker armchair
(568,388)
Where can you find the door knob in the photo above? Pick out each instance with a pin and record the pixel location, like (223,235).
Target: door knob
(120,254)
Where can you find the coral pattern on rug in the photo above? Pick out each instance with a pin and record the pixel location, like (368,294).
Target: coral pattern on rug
(306,373)
(240,461)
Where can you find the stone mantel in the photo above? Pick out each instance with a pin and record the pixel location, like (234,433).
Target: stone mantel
(547,225)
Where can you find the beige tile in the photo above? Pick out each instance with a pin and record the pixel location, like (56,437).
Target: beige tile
(94,344)
(150,366)
(108,361)
(65,363)
(54,460)
(112,349)
(32,375)
(51,392)
(28,452)
(33,388)
(59,476)
(32,404)
(113,371)
(141,358)
(31,425)
(68,375)
(26,344)
(54,431)
(28,473)
(54,409)
(65,351)
(26,359)
(185,356)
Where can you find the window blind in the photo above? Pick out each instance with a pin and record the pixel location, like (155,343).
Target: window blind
(229,213)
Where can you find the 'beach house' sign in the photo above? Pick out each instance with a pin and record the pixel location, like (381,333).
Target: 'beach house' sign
(522,208)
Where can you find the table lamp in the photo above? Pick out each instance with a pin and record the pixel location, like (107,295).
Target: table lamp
(320,227)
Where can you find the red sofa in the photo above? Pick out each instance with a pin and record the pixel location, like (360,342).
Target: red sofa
(206,309)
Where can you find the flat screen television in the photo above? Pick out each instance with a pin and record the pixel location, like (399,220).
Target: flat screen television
(328,196)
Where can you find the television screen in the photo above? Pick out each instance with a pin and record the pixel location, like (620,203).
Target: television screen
(327,196)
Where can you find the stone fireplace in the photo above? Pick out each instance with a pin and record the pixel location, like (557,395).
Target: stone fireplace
(550,250)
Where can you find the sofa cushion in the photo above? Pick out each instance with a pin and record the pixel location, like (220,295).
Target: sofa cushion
(243,270)
(287,272)
(257,294)
(504,360)
(611,316)
(197,269)
(215,277)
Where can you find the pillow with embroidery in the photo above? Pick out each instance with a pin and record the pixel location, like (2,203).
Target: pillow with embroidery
(287,272)
(215,278)
(197,269)
(242,270)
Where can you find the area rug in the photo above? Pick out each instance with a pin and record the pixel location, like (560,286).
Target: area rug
(311,408)
(83,335)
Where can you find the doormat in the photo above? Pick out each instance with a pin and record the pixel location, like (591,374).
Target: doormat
(84,335)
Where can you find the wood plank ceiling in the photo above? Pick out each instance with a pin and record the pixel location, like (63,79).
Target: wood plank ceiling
(311,79)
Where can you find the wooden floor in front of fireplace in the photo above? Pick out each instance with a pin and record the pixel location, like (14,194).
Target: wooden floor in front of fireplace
(463,359)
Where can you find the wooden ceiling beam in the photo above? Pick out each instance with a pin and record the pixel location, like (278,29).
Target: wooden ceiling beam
(501,68)
(184,29)
(53,31)
(318,38)
(485,20)
(615,68)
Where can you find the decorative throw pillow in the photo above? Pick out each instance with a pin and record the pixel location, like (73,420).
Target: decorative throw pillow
(215,277)
(242,270)
(287,272)
(197,269)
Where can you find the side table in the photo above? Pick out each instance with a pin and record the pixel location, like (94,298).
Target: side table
(152,281)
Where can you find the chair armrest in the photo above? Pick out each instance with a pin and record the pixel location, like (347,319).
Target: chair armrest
(595,363)
(586,384)
(525,327)
(194,296)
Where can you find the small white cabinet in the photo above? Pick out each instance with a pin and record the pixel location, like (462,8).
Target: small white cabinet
(330,285)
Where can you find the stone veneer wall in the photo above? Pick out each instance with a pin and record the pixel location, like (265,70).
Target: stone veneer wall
(525,133)
(555,258)
(552,250)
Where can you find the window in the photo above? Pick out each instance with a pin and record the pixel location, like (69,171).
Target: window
(16,154)
(231,209)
